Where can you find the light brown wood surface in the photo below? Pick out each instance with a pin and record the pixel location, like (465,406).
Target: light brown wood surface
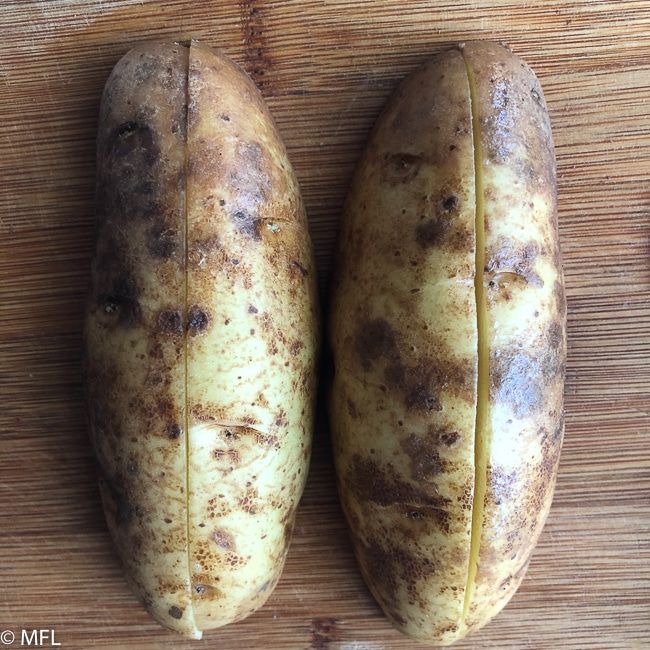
(325,67)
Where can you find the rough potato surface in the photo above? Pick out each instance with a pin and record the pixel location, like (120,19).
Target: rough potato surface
(404,336)
(201,336)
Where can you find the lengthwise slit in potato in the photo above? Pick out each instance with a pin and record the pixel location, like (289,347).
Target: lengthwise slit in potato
(201,336)
(447,329)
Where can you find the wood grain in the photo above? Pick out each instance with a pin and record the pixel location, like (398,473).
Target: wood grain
(325,67)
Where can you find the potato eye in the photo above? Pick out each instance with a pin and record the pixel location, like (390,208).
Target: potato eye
(111,302)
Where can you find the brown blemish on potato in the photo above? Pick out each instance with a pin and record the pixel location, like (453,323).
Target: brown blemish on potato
(352,409)
(525,493)
(419,379)
(126,181)
(231,456)
(373,482)
(202,249)
(391,566)
(247,223)
(295,347)
(134,138)
(558,432)
(163,241)
(170,321)
(297,265)
(419,385)
(223,539)
(376,340)
(198,320)
(424,452)
(250,502)
(400,168)
(122,302)
(116,499)
(432,232)
(450,203)
(288,533)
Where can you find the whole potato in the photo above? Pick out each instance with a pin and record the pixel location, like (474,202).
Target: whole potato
(201,335)
(447,330)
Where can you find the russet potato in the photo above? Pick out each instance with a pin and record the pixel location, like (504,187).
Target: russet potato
(201,335)
(447,331)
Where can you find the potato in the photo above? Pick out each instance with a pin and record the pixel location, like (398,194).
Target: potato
(447,332)
(201,336)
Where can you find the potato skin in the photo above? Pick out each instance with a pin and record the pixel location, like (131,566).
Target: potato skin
(404,339)
(201,336)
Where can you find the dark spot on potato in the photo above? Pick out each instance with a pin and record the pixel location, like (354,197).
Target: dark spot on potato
(536,96)
(174,431)
(432,232)
(223,539)
(373,482)
(162,241)
(450,203)
(248,224)
(175,612)
(376,340)
(391,565)
(170,321)
(419,384)
(122,300)
(424,456)
(400,168)
(297,265)
(128,187)
(133,136)
(295,346)
(117,500)
(250,503)
(203,248)
(198,320)
(288,533)
(419,378)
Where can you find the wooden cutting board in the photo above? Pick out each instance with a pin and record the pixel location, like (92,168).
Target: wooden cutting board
(325,67)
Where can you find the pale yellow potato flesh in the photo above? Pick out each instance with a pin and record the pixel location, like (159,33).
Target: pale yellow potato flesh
(446,400)
(201,336)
